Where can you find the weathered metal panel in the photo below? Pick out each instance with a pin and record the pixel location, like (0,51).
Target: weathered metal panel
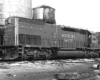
(9,37)
(49,14)
(72,37)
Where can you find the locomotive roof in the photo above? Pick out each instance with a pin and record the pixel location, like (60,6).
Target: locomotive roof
(31,21)
(81,31)
(64,28)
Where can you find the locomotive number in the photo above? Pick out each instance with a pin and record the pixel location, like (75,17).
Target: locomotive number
(68,40)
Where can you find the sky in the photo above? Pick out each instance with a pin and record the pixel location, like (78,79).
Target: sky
(84,14)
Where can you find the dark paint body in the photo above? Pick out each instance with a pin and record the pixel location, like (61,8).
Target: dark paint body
(47,35)
(36,34)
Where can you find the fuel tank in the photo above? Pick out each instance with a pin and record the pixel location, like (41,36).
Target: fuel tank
(70,54)
(77,54)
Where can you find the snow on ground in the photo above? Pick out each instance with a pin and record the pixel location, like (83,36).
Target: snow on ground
(42,65)
(14,68)
(46,63)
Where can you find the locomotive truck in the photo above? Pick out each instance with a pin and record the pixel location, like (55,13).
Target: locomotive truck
(40,38)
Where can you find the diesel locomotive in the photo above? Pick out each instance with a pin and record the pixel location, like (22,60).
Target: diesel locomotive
(23,38)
